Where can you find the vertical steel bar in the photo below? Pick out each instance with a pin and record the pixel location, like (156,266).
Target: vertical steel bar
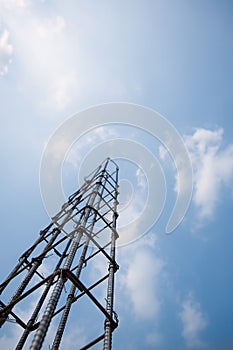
(93,211)
(47,316)
(46,319)
(65,314)
(110,288)
(40,303)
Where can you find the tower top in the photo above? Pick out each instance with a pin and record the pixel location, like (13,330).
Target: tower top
(56,272)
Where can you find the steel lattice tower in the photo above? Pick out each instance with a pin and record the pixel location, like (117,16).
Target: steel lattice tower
(50,273)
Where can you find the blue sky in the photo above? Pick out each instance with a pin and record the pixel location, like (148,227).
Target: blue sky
(58,58)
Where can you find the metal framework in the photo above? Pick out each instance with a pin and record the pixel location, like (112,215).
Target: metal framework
(48,274)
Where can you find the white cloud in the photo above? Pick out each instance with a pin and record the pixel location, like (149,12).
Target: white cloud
(11,4)
(153,338)
(42,48)
(61,61)
(141,179)
(10,340)
(74,338)
(52,71)
(140,282)
(6,51)
(212,167)
(193,321)
(83,145)
(49,27)
(163,152)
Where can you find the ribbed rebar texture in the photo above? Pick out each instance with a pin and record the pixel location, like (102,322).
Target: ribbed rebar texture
(83,231)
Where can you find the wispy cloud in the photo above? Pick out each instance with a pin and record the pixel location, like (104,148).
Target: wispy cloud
(6,51)
(50,44)
(212,167)
(74,338)
(60,61)
(154,339)
(141,179)
(11,4)
(193,321)
(86,142)
(41,46)
(8,341)
(140,281)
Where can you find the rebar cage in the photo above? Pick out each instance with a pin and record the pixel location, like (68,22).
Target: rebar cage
(48,280)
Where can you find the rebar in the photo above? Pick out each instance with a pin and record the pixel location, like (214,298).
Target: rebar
(86,221)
